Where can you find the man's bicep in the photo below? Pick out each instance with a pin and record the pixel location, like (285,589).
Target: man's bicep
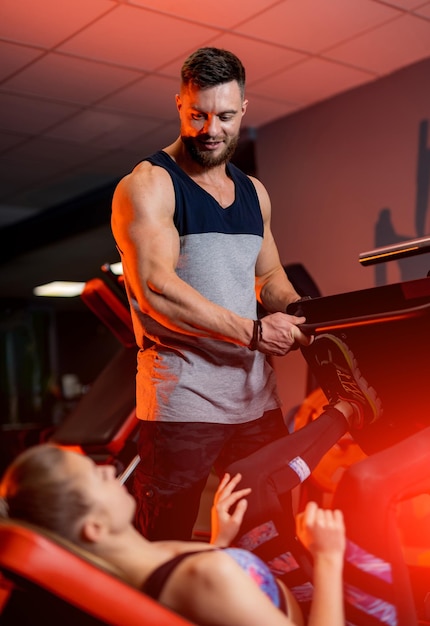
(268,260)
(150,246)
(142,214)
(154,250)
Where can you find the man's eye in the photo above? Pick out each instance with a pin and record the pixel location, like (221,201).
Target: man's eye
(197,116)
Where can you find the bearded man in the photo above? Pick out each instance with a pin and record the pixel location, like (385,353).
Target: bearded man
(194,236)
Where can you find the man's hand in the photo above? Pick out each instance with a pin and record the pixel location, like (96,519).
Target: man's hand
(226,522)
(281,334)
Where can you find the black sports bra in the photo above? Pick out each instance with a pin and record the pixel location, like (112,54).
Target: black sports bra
(153,585)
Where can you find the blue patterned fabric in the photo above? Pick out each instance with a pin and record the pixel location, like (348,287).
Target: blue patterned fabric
(258,571)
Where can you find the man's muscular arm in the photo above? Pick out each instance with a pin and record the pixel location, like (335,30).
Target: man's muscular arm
(142,224)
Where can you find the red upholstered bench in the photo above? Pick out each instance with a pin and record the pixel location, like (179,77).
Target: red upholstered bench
(46,580)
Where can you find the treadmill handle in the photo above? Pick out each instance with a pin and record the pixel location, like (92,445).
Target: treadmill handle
(365,320)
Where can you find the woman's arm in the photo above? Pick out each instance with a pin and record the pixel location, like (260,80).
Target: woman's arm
(323,533)
(227,511)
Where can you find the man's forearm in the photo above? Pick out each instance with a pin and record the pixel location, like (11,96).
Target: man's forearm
(179,307)
(276,295)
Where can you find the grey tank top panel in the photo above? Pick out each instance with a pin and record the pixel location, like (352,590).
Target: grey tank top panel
(182,378)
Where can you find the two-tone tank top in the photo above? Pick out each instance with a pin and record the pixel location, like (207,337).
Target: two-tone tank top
(183,378)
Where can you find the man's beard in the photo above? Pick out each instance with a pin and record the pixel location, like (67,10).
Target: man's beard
(205,158)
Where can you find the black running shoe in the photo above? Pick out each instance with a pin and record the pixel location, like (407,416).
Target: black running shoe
(336,370)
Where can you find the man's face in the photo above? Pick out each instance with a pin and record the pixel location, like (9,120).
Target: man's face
(210,122)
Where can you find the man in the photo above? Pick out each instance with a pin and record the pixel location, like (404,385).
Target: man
(197,250)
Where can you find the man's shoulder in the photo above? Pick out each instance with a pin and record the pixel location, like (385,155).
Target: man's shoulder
(146,172)
(235,172)
(145,183)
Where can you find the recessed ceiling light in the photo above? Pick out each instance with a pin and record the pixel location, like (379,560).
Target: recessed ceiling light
(59,289)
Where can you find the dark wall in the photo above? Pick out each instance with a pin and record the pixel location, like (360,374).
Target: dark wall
(344,176)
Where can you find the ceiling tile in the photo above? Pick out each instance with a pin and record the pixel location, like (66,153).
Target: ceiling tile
(86,126)
(312,25)
(404,4)
(289,48)
(389,47)
(423,10)
(14,57)
(259,58)
(160,137)
(260,111)
(137,38)
(127,131)
(53,163)
(139,97)
(117,163)
(221,14)
(9,140)
(173,68)
(66,78)
(311,81)
(61,153)
(41,171)
(60,188)
(30,115)
(49,22)
(122,160)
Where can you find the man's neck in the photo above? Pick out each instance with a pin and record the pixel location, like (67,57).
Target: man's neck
(178,152)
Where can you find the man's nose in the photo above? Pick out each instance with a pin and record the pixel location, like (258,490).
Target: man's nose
(212,125)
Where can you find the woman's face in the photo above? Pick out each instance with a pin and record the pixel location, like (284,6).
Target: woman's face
(104,493)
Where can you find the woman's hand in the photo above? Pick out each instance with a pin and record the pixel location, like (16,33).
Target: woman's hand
(228,510)
(322,531)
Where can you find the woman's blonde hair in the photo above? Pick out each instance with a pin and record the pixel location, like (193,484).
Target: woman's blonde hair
(36,489)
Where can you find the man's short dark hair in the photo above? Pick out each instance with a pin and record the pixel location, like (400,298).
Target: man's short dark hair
(208,67)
